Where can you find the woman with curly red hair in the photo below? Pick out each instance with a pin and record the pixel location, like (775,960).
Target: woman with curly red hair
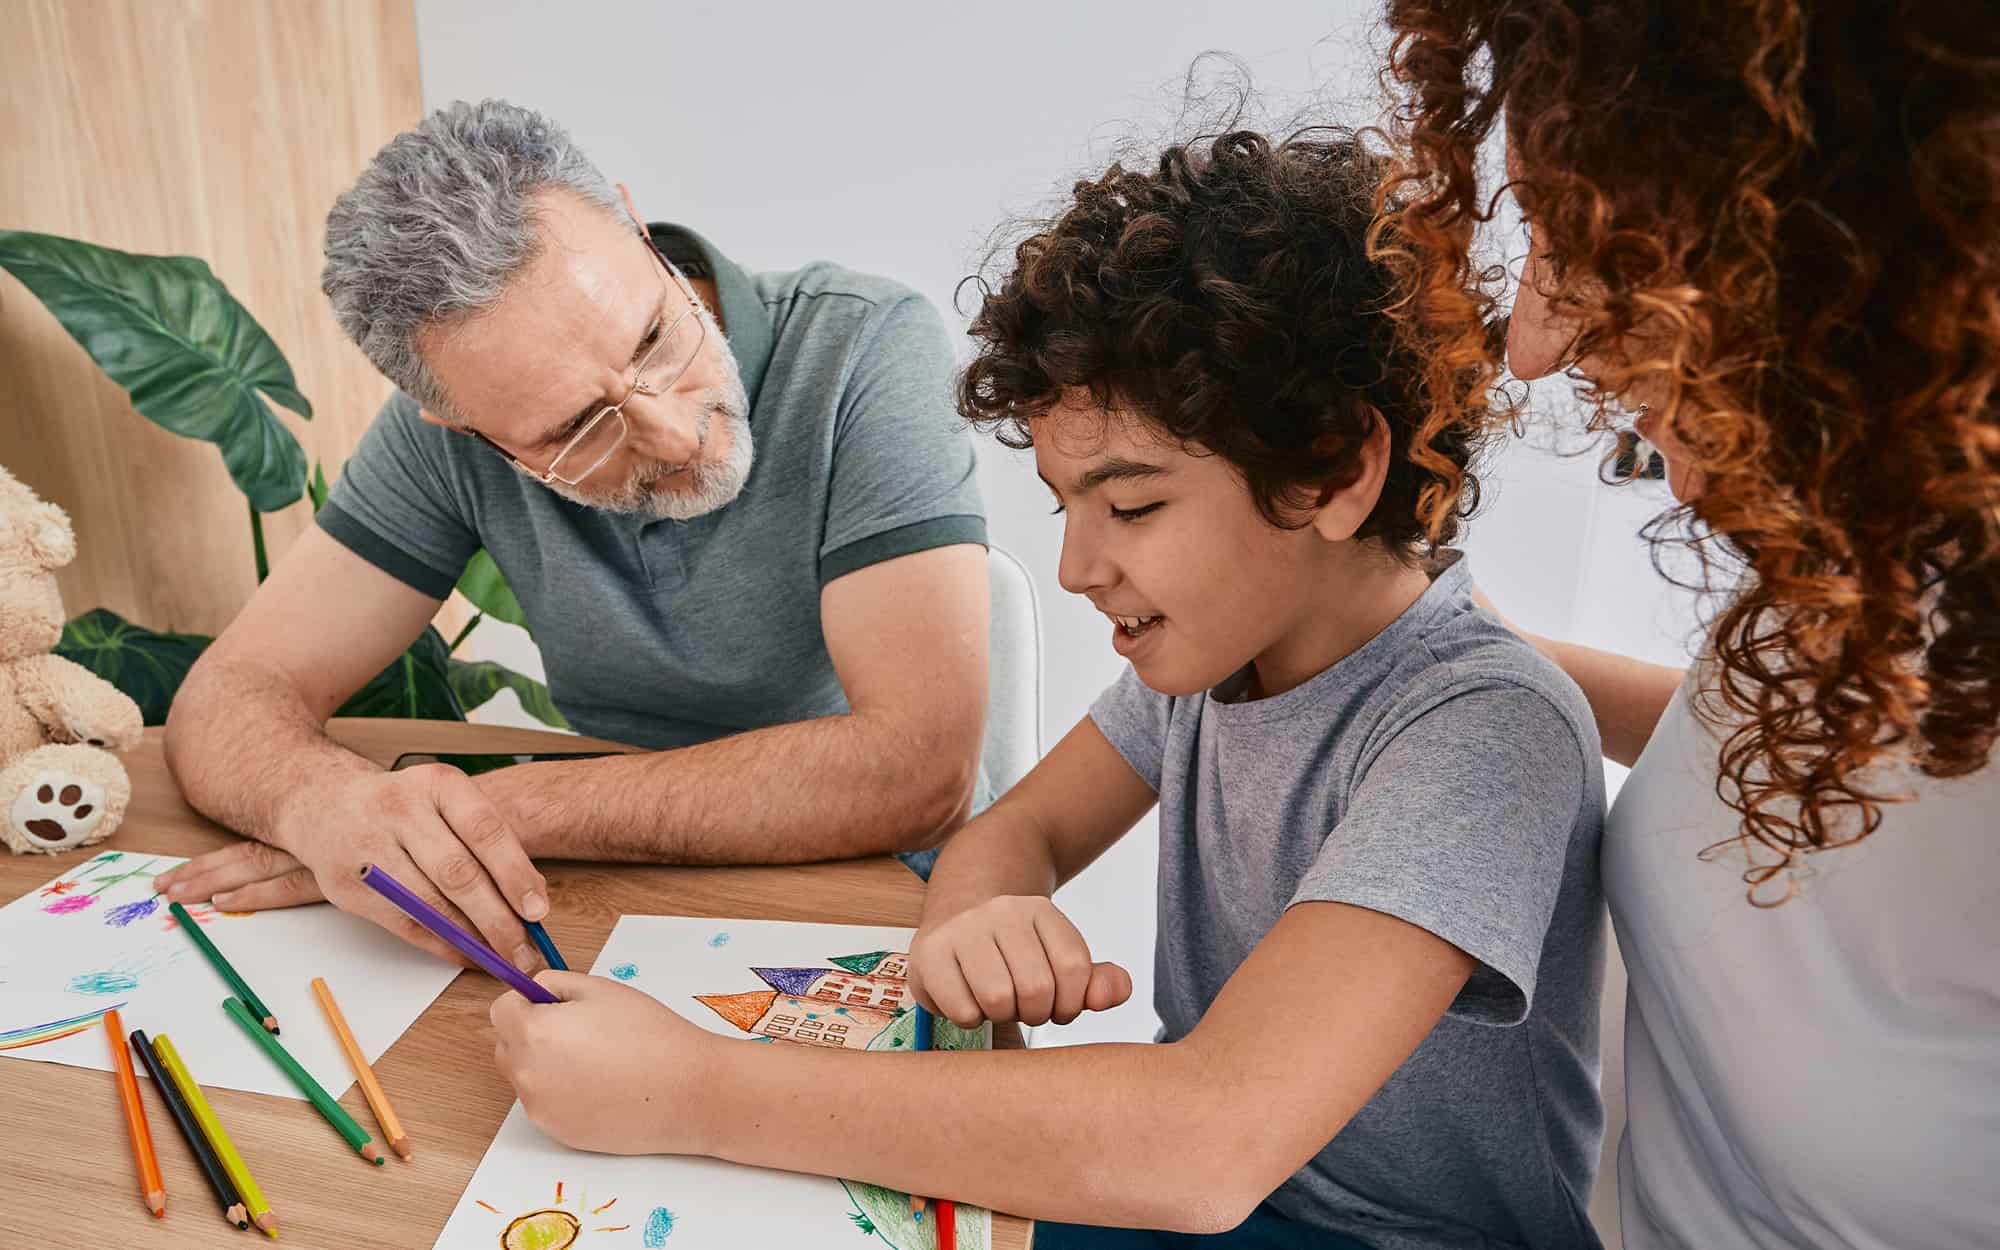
(1771,231)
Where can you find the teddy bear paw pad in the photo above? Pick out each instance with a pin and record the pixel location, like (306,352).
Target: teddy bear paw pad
(58,810)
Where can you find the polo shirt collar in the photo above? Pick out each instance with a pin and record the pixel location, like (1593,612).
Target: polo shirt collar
(745,324)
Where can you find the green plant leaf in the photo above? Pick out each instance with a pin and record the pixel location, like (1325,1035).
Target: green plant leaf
(415,684)
(146,665)
(316,487)
(477,681)
(487,588)
(191,357)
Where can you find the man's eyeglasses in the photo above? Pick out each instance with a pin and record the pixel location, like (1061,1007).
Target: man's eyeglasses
(604,431)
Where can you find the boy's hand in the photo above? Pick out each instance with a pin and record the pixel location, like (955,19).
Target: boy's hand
(1011,958)
(608,1069)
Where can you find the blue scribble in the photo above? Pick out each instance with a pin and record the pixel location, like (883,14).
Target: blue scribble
(719,940)
(625,972)
(658,1225)
(108,982)
(125,913)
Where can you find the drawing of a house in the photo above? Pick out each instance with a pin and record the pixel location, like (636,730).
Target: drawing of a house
(846,1005)
(836,985)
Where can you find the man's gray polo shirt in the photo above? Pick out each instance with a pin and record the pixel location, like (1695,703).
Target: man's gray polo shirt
(669,633)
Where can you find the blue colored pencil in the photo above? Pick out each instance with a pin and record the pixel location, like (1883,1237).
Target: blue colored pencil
(923,1042)
(540,937)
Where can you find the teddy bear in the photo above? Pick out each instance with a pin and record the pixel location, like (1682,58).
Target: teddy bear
(60,788)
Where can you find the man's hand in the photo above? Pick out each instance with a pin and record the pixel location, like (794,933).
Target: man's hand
(1012,958)
(429,827)
(608,1069)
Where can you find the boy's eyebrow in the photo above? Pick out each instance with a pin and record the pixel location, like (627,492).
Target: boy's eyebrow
(1116,469)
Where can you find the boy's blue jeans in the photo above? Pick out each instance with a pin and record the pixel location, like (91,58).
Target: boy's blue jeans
(1264,1230)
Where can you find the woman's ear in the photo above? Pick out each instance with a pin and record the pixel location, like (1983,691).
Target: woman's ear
(1348,508)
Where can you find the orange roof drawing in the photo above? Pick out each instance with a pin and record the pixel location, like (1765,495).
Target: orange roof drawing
(741,1010)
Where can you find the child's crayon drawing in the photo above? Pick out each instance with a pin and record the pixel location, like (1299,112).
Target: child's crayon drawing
(100,934)
(35,1034)
(557,1227)
(860,1002)
(769,982)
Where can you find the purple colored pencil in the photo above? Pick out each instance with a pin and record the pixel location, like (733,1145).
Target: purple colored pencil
(442,925)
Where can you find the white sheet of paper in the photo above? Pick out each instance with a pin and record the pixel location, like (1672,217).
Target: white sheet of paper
(98,937)
(530,1192)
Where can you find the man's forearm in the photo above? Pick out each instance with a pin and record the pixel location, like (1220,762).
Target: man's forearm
(831,788)
(240,741)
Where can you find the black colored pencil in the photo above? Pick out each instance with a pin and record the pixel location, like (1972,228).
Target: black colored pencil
(218,1180)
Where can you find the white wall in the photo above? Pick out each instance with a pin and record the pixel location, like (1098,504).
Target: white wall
(891,138)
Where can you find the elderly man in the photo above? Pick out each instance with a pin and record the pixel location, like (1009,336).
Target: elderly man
(736,508)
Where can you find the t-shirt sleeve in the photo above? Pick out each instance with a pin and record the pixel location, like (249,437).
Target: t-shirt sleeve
(1133,717)
(903,465)
(395,507)
(1461,825)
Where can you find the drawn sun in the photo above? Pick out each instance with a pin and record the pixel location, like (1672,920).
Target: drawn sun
(555,1228)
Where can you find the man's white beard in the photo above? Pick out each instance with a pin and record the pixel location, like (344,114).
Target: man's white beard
(702,487)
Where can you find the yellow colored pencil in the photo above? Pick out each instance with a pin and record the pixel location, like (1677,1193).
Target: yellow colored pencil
(225,1150)
(371,1089)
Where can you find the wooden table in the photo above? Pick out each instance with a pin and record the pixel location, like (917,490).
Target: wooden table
(66,1174)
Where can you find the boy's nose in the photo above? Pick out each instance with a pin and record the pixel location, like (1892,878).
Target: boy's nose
(1078,569)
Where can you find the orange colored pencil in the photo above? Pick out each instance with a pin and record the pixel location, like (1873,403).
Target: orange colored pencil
(371,1089)
(135,1117)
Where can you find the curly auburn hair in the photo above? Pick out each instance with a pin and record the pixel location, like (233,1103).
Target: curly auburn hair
(1227,298)
(1798,208)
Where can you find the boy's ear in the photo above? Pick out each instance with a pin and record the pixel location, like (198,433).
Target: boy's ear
(1351,503)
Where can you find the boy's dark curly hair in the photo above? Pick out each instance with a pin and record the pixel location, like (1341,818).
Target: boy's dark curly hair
(1227,298)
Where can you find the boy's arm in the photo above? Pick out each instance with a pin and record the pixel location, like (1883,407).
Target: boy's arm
(992,946)
(1190,1135)
(1076,801)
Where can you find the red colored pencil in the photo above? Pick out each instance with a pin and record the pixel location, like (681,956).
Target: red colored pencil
(947,1224)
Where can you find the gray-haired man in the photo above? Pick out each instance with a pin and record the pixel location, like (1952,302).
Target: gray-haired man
(799,634)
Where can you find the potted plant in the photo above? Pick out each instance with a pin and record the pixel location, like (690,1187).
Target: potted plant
(195,362)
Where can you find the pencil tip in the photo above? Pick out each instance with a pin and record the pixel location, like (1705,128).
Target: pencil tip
(237,1216)
(157,1200)
(404,1150)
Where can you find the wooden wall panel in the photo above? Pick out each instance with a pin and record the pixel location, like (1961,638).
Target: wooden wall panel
(216,128)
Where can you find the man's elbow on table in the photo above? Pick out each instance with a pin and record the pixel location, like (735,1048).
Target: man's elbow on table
(933,799)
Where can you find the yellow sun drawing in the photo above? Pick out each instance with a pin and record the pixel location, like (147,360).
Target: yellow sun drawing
(551,1227)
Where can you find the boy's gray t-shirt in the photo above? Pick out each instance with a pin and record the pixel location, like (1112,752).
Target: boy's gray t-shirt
(667,633)
(1448,775)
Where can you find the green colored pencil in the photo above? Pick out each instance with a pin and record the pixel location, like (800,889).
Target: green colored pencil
(222,966)
(335,1114)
